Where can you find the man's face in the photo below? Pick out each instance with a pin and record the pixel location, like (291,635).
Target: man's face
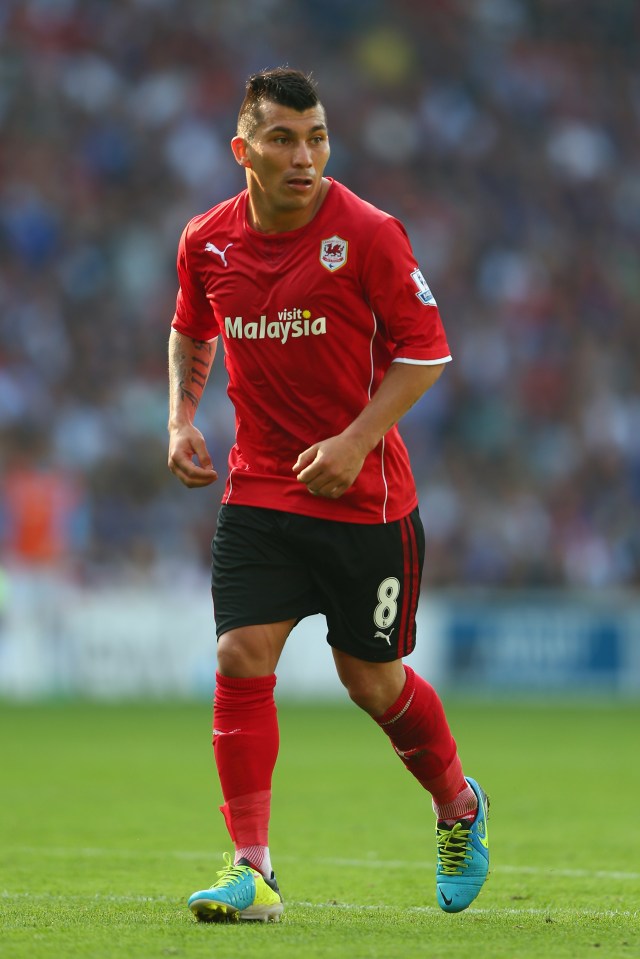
(285,159)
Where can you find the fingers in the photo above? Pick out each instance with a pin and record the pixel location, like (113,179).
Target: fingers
(328,492)
(328,468)
(305,459)
(191,463)
(191,474)
(309,471)
(317,476)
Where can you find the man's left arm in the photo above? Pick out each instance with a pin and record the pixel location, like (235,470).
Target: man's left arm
(330,467)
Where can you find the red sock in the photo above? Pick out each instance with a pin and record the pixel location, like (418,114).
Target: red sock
(420,734)
(245,744)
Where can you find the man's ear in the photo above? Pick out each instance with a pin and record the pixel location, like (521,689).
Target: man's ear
(239,147)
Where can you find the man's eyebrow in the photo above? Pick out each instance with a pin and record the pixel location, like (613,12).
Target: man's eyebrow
(280,128)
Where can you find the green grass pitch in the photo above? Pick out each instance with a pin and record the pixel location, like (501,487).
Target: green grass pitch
(108,821)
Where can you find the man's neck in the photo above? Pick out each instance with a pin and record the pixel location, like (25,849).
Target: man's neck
(268,221)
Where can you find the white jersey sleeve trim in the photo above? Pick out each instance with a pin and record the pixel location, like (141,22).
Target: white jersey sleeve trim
(406,359)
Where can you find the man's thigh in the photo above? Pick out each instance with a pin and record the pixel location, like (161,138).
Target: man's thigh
(257,575)
(270,566)
(368,578)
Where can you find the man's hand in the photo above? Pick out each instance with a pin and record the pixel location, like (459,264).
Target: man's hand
(186,443)
(330,467)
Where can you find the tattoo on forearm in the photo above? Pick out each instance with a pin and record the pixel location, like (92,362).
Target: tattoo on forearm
(192,370)
(199,371)
(186,394)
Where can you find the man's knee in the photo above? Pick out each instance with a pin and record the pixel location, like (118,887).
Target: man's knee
(251,651)
(374,687)
(236,658)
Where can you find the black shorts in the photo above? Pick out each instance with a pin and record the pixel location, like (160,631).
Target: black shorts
(269,566)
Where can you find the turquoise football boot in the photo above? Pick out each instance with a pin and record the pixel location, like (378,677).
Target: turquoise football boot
(241,892)
(463,857)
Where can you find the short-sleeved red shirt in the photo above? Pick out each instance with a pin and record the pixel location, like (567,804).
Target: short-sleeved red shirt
(311,320)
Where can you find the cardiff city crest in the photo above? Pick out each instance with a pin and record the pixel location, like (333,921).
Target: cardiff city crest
(333,253)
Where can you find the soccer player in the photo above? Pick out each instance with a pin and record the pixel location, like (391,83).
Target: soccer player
(330,334)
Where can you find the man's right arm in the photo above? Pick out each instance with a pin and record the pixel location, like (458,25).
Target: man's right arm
(189,366)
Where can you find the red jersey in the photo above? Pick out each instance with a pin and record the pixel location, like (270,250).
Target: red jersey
(311,320)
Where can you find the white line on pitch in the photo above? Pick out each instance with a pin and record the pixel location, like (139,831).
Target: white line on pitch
(346,906)
(194,855)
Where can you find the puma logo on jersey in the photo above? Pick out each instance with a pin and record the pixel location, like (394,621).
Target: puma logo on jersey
(380,635)
(212,248)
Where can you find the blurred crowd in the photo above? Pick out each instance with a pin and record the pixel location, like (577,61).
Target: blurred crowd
(506,136)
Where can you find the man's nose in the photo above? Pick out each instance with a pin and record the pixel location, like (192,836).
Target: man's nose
(302,155)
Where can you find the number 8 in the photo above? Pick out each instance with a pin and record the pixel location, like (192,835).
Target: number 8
(387,609)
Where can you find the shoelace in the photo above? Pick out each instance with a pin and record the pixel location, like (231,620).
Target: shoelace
(452,849)
(230,873)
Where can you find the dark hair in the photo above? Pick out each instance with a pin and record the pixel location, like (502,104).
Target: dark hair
(289,88)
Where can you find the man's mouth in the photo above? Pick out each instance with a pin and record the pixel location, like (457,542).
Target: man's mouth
(300,182)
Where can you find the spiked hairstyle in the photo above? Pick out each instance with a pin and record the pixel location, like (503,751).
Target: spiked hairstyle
(289,88)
